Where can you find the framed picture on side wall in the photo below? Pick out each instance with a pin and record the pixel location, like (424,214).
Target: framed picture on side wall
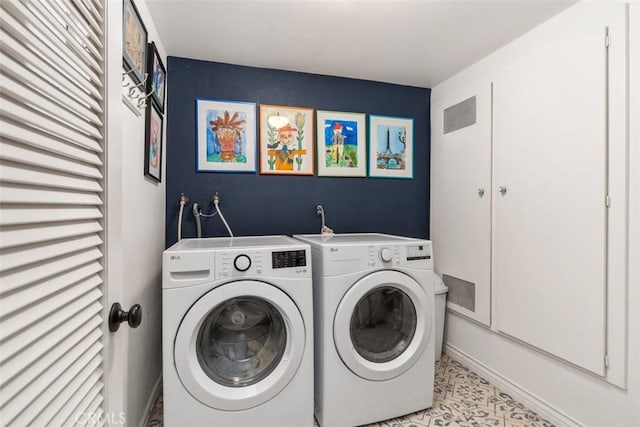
(341,144)
(134,42)
(226,136)
(153,143)
(286,140)
(390,147)
(157,76)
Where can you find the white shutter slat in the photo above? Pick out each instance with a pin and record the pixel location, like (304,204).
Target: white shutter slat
(49,400)
(18,71)
(79,341)
(81,408)
(16,34)
(87,377)
(15,365)
(52,25)
(94,10)
(33,176)
(88,16)
(39,234)
(57,76)
(10,108)
(75,285)
(17,194)
(44,106)
(45,290)
(52,296)
(67,50)
(31,333)
(34,254)
(98,420)
(20,153)
(62,23)
(73,15)
(36,272)
(45,142)
(78,403)
(48,376)
(24,215)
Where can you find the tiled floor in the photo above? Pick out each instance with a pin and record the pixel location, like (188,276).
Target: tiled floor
(461,398)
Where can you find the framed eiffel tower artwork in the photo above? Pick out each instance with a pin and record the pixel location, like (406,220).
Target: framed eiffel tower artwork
(390,147)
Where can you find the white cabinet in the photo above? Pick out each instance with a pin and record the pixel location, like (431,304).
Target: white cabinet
(534,247)
(461,198)
(549,227)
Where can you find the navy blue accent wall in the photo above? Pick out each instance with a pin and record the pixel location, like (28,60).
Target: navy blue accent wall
(255,204)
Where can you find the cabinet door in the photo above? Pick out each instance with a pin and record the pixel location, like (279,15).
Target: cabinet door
(550,180)
(461,198)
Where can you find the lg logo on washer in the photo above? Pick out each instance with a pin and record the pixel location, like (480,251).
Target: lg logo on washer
(333,249)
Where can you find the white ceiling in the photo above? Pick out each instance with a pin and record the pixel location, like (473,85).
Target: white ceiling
(411,42)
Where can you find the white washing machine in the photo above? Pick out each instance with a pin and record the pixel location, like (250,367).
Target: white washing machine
(374,308)
(237,337)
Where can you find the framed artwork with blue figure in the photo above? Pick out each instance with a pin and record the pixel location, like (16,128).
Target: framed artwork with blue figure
(341,143)
(157,76)
(226,136)
(153,143)
(390,147)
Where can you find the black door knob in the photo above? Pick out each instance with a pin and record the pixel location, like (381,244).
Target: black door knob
(117,315)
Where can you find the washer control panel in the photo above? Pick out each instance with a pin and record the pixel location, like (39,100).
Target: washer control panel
(414,255)
(384,255)
(256,262)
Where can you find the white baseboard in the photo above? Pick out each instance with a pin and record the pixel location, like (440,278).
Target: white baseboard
(150,402)
(530,400)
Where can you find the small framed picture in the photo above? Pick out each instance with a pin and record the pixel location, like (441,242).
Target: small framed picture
(134,42)
(157,75)
(153,143)
(286,140)
(226,136)
(390,147)
(341,144)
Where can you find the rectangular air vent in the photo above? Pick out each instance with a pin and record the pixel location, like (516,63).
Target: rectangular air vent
(460,115)
(461,292)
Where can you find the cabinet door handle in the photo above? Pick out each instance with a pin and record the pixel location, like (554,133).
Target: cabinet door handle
(480,192)
(502,190)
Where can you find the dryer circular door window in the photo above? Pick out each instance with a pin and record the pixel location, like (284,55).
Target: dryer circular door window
(382,325)
(239,345)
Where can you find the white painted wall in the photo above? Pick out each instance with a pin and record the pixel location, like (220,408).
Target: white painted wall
(564,393)
(136,240)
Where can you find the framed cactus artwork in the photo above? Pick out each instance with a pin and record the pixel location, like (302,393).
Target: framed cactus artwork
(286,140)
(226,136)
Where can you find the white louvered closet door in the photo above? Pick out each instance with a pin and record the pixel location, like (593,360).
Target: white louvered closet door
(51,211)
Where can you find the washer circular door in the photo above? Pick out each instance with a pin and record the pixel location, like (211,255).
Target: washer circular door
(382,325)
(239,345)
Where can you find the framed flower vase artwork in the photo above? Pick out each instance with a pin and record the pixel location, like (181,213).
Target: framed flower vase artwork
(153,143)
(226,136)
(341,144)
(390,147)
(286,140)
(157,75)
(134,42)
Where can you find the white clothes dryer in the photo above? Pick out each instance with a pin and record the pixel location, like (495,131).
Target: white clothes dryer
(374,340)
(237,339)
